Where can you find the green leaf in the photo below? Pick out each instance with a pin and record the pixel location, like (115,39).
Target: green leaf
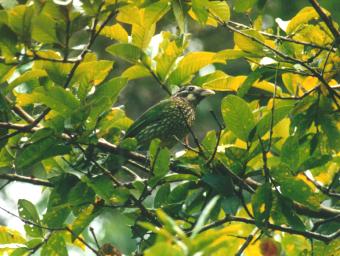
(29,75)
(282,213)
(44,29)
(103,98)
(28,212)
(237,116)
(247,43)
(290,153)
(300,192)
(199,8)
(162,195)
(262,203)
(19,20)
(204,216)
(84,219)
(161,162)
(102,186)
(314,161)
(56,98)
(264,125)
(177,8)
(57,72)
(55,246)
(330,127)
(219,9)
(57,209)
(79,197)
(244,5)
(39,150)
(127,52)
(220,183)
(251,79)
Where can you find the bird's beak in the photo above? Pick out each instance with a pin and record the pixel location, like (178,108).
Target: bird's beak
(206,92)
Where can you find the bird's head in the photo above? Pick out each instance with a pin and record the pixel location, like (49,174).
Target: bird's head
(193,94)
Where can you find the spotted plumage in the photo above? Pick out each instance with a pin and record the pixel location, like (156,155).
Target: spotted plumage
(169,119)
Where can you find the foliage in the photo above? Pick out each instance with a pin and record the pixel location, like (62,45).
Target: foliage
(256,186)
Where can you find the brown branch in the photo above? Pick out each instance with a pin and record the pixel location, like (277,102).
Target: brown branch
(284,38)
(325,18)
(247,242)
(323,189)
(248,184)
(26,179)
(307,234)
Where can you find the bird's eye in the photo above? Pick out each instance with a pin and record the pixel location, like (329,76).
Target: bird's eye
(190,88)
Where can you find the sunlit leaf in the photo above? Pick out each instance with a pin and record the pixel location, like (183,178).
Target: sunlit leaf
(237,116)
(115,32)
(127,52)
(249,41)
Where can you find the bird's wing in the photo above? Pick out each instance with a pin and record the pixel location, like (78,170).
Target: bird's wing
(152,115)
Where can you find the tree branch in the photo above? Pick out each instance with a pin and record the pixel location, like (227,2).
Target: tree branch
(26,179)
(325,18)
(307,234)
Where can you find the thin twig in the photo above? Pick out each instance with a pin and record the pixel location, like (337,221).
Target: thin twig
(247,242)
(307,234)
(284,38)
(94,237)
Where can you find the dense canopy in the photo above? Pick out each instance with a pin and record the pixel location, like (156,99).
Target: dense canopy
(258,173)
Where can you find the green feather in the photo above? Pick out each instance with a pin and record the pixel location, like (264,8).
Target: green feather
(152,115)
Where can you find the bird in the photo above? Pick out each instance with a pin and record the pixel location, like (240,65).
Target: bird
(169,120)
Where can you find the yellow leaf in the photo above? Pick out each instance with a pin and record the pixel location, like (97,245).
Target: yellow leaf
(309,83)
(293,82)
(190,64)
(116,32)
(135,72)
(227,83)
(302,17)
(129,14)
(10,236)
(249,44)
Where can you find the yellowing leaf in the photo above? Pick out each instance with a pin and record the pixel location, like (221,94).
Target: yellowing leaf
(92,72)
(190,64)
(10,236)
(167,55)
(219,9)
(302,17)
(27,76)
(309,83)
(135,72)
(141,35)
(129,14)
(227,83)
(249,44)
(57,98)
(210,21)
(116,32)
